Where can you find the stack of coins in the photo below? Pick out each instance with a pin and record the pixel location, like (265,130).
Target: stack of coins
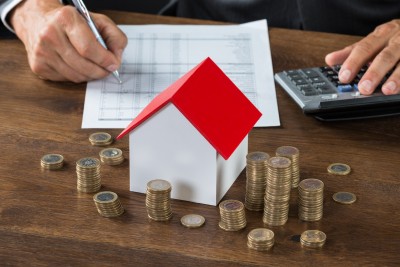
(158,200)
(52,162)
(311,199)
(256,173)
(277,193)
(313,238)
(100,139)
(88,174)
(233,217)
(108,204)
(260,239)
(111,156)
(291,153)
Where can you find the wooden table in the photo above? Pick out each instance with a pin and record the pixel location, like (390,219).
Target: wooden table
(45,221)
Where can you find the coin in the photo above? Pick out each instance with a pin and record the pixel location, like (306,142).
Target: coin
(105,197)
(257,156)
(108,204)
(260,239)
(111,156)
(313,238)
(88,175)
(293,154)
(339,169)
(100,139)
(158,200)
(158,185)
(233,216)
(52,161)
(192,220)
(344,197)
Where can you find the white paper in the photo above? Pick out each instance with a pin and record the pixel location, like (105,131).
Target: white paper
(157,55)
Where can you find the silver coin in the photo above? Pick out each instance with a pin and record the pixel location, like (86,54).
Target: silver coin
(88,162)
(52,158)
(257,156)
(192,220)
(159,185)
(111,152)
(100,136)
(344,197)
(106,196)
(339,168)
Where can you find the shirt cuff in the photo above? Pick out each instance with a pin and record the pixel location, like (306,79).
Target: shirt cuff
(5,9)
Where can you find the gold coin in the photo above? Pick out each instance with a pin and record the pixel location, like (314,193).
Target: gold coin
(105,197)
(344,197)
(257,156)
(286,151)
(231,205)
(100,139)
(158,185)
(52,161)
(279,162)
(261,235)
(88,163)
(192,220)
(313,238)
(339,169)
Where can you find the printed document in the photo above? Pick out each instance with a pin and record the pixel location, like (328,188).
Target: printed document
(157,55)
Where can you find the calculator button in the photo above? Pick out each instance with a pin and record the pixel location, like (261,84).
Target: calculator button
(310,73)
(345,88)
(308,92)
(300,81)
(325,89)
(317,80)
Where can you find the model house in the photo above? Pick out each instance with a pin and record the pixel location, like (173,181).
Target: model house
(194,134)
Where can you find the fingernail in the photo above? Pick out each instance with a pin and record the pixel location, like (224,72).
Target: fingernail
(119,54)
(112,68)
(390,86)
(344,75)
(365,86)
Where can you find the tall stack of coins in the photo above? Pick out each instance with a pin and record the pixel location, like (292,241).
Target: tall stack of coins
(108,204)
(52,162)
(260,239)
(111,156)
(311,199)
(293,154)
(100,139)
(313,238)
(233,216)
(88,173)
(256,173)
(158,200)
(277,193)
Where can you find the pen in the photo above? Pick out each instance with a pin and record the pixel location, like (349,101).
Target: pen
(80,6)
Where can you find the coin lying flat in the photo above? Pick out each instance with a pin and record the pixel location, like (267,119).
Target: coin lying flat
(339,169)
(344,197)
(192,220)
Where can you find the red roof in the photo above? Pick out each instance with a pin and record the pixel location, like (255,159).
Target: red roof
(211,102)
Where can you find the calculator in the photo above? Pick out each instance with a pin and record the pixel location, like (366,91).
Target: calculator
(319,93)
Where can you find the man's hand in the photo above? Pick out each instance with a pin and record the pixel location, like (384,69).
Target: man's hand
(60,44)
(381,49)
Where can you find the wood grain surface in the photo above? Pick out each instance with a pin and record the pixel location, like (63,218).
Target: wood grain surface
(44,221)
